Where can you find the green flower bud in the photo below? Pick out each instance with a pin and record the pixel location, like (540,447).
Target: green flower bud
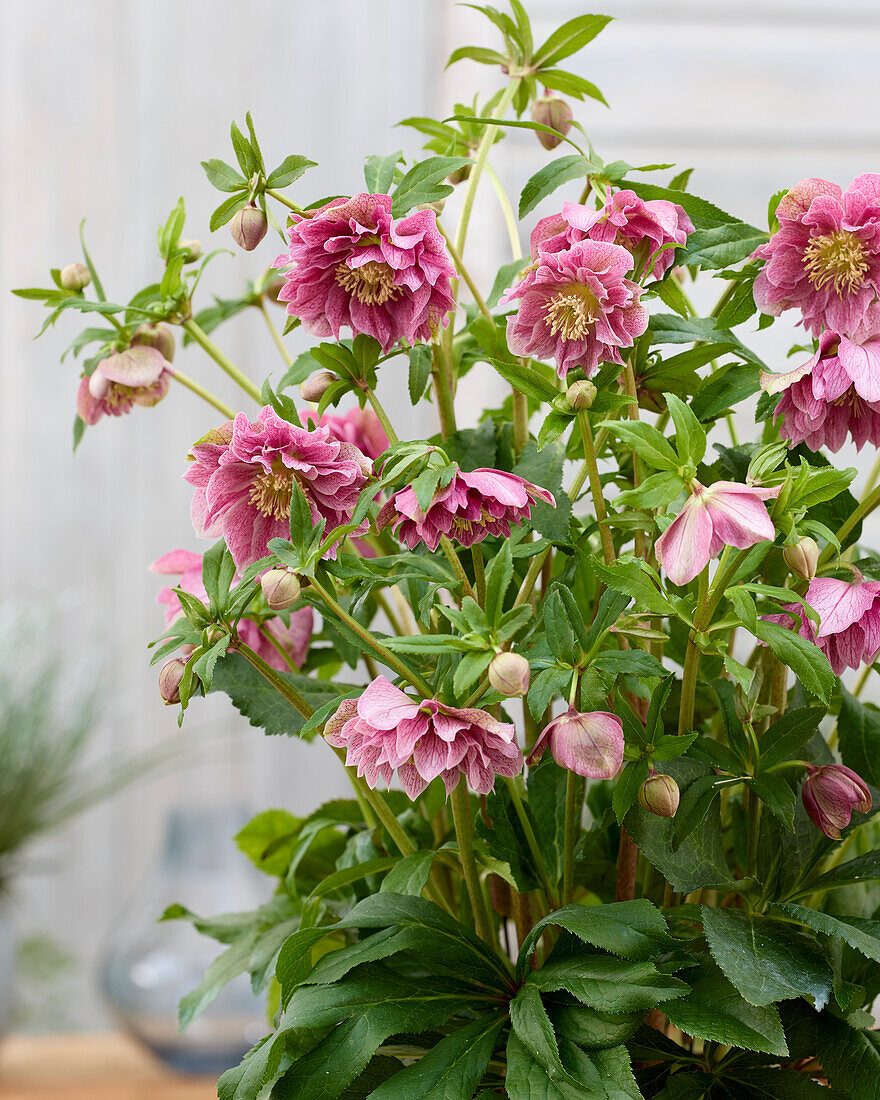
(509,674)
(193,249)
(248,227)
(581,395)
(802,557)
(659,795)
(155,336)
(281,588)
(551,110)
(75,277)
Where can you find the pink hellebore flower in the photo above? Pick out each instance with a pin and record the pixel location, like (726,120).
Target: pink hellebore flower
(587,744)
(357,267)
(137,376)
(825,257)
(243,475)
(474,504)
(385,730)
(625,219)
(849,620)
(830,794)
(293,639)
(576,306)
(835,392)
(724,514)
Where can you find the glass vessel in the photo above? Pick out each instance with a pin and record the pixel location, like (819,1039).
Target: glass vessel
(149,967)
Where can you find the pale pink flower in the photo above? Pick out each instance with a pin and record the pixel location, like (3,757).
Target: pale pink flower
(293,638)
(588,744)
(576,306)
(835,392)
(243,476)
(357,267)
(830,794)
(723,514)
(849,620)
(358,426)
(474,505)
(625,219)
(825,257)
(386,731)
(139,375)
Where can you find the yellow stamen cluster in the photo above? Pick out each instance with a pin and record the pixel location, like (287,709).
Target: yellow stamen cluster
(836,258)
(372,283)
(271,491)
(570,312)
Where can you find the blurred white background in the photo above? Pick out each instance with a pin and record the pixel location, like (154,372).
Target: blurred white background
(107,108)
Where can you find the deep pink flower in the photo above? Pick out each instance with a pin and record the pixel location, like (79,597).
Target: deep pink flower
(137,376)
(830,794)
(849,620)
(386,731)
(588,744)
(825,257)
(293,639)
(243,477)
(360,427)
(625,219)
(576,307)
(357,267)
(835,392)
(475,504)
(724,514)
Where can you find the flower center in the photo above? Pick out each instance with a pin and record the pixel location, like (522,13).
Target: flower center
(271,491)
(570,312)
(372,283)
(836,258)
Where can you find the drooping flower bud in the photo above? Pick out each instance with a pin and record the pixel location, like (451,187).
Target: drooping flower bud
(588,744)
(802,557)
(170,677)
(193,249)
(314,388)
(581,395)
(155,336)
(830,794)
(75,277)
(274,288)
(509,674)
(659,795)
(248,227)
(551,110)
(281,588)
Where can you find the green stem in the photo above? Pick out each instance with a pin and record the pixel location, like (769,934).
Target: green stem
(532,841)
(207,345)
(692,662)
(441,377)
(384,420)
(506,210)
(531,577)
(573,796)
(464,831)
(275,679)
(633,413)
(284,201)
(279,648)
(520,421)
(276,335)
(455,561)
(596,488)
(479,573)
(754,809)
(200,391)
(466,275)
(385,655)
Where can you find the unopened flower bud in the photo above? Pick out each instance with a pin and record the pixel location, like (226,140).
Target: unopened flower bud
(155,336)
(589,744)
(459,175)
(830,794)
(170,678)
(248,227)
(509,674)
(802,557)
(281,588)
(552,110)
(75,277)
(314,388)
(581,395)
(193,249)
(659,795)
(273,289)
